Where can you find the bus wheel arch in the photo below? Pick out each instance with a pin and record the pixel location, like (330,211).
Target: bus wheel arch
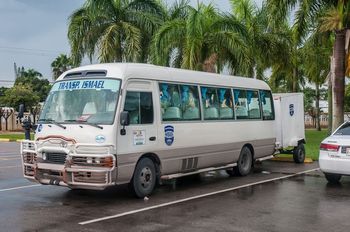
(145,176)
(155,158)
(251,148)
(245,161)
(243,168)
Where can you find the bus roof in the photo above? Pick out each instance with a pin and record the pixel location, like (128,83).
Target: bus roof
(127,71)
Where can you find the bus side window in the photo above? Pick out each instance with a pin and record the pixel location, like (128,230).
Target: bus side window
(190,102)
(253,104)
(210,103)
(226,104)
(241,103)
(267,102)
(140,107)
(170,102)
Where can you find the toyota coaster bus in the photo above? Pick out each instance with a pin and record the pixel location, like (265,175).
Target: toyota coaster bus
(111,124)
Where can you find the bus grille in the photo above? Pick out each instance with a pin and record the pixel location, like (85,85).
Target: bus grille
(57,158)
(90,177)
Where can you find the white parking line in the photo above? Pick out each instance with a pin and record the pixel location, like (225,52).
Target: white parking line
(16,166)
(193,198)
(20,187)
(5,159)
(9,153)
(10,156)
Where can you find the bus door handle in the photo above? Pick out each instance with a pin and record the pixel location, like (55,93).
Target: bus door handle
(153,138)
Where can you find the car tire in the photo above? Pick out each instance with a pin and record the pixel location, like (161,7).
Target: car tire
(244,163)
(144,178)
(299,154)
(332,178)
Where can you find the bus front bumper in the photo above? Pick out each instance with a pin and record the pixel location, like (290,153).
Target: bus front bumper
(76,171)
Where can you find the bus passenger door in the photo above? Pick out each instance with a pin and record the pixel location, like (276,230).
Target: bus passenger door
(141,135)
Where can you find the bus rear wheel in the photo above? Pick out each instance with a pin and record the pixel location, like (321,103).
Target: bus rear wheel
(144,178)
(244,163)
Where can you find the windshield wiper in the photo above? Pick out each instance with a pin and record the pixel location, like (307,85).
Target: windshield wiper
(85,122)
(49,120)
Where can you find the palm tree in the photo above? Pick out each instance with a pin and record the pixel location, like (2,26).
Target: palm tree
(316,52)
(287,75)
(199,38)
(29,73)
(61,64)
(323,15)
(115,30)
(262,41)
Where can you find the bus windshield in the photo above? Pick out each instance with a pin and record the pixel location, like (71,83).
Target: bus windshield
(82,100)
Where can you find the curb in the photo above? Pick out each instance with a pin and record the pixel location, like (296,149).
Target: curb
(4,140)
(290,159)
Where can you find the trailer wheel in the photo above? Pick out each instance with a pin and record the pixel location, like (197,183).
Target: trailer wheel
(299,154)
(144,178)
(332,178)
(244,163)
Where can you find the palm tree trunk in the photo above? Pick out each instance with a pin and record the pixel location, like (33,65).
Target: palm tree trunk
(295,79)
(330,106)
(339,79)
(209,64)
(318,123)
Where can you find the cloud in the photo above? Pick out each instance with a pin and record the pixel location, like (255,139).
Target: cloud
(38,26)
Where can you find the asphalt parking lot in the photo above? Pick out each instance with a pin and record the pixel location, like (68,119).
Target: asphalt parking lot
(278,196)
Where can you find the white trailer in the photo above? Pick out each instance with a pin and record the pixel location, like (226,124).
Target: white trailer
(290,126)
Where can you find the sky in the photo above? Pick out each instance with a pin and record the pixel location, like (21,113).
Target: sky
(34,32)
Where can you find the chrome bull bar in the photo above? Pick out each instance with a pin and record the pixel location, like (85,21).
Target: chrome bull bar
(89,166)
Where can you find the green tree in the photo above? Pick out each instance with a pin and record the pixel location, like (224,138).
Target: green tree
(263,42)
(201,39)
(287,74)
(31,77)
(2,91)
(116,30)
(61,64)
(20,94)
(309,97)
(323,15)
(316,67)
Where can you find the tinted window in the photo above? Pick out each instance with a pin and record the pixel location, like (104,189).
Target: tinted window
(226,104)
(170,102)
(210,103)
(241,103)
(253,104)
(140,107)
(179,102)
(343,130)
(190,102)
(267,105)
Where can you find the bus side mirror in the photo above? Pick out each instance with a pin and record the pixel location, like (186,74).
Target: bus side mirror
(20,111)
(124,121)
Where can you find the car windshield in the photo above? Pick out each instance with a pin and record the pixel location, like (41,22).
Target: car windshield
(343,130)
(83,100)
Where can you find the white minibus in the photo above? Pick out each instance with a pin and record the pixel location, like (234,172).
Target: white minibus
(111,124)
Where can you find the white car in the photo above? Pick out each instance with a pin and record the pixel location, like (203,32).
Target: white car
(334,159)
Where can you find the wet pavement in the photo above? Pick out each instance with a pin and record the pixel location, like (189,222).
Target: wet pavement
(273,198)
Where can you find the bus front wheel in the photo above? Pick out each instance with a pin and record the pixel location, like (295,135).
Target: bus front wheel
(144,178)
